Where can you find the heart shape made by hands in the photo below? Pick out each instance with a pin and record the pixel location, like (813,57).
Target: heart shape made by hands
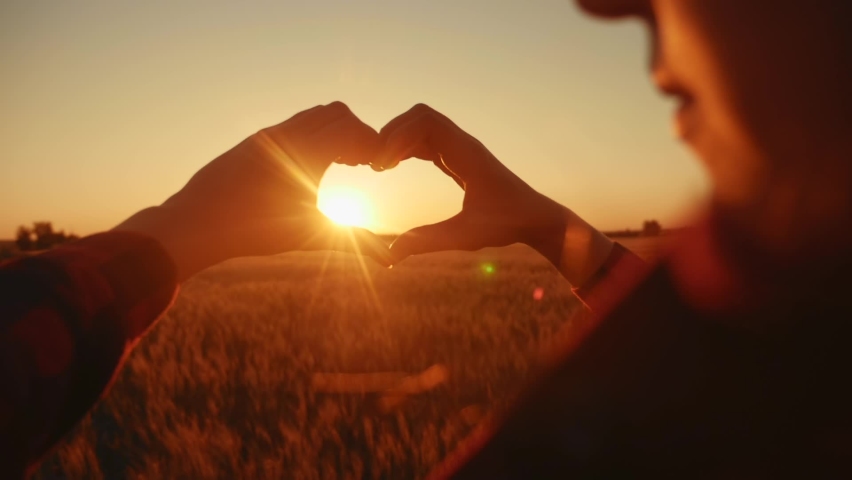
(498,209)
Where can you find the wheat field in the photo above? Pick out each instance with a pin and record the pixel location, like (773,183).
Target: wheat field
(319,366)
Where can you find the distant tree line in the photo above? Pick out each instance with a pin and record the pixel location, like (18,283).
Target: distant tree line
(40,236)
(650,228)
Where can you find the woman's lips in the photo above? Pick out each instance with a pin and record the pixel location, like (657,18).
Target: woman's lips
(684,118)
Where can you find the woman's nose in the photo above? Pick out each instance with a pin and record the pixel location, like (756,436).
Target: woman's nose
(642,9)
(615,8)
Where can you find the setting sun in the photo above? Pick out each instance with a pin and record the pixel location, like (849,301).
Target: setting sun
(345,206)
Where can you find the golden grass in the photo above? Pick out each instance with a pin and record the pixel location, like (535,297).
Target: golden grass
(226,387)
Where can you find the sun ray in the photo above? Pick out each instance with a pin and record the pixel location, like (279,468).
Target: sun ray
(289,163)
(317,291)
(329,238)
(367,278)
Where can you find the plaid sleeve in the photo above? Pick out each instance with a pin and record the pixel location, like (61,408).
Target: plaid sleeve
(621,271)
(68,318)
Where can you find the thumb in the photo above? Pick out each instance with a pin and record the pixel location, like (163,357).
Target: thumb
(306,233)
(355,240)
(455,233)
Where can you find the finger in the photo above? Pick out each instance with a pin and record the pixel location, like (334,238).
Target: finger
(297,118)
(427,137)
(396,149)
(424,133)
(286,142)
(292,135)
(317,137)
(412,113)
(437,160)
(417,151)
(414,116)
(304,122)
(306,232)
(313,118)
(455,233)
(347,140)
(443,167)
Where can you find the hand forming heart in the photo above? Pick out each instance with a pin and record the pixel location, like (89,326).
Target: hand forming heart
(259,198)
(499,208)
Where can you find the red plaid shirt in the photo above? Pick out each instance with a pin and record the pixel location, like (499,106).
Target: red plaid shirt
(68,318)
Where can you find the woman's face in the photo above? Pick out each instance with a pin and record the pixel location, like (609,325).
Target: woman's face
(763,85)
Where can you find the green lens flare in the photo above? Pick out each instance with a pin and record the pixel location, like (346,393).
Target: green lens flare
(488,268)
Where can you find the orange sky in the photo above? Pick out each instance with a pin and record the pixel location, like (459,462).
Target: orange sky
(106,109)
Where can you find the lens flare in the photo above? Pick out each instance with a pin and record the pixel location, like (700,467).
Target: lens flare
(488,268)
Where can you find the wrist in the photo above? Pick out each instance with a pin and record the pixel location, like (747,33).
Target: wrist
(571,244)
(584,250)
(544,226)
(163,225)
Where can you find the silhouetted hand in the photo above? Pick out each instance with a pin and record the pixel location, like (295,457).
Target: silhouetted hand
(259,198)
(499,208)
